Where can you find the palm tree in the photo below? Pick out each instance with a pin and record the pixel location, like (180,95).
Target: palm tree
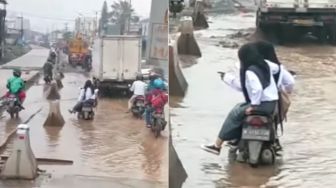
(122,13)
(104,18)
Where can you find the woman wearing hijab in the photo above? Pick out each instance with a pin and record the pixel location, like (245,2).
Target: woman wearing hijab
(259,89)
(283,78)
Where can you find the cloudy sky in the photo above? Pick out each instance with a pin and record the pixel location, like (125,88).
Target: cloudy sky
(47,15)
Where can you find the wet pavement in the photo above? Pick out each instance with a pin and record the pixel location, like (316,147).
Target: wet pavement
(308,158)
(114,146)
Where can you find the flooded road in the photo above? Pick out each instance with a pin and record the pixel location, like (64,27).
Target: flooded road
(308,158)
(113,146)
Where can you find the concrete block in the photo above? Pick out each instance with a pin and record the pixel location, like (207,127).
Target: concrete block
(186,43)
(55,117)
(21,164)
(177,83)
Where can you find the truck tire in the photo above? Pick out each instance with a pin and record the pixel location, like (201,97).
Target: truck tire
(332,34)
(323,35)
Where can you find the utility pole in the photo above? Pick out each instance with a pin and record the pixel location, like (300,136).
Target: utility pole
(21,18)
(129,16)
(96,24)
(66,27)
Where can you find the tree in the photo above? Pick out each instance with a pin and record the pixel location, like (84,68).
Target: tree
(67,36)
(122,13)
(104,17)
(176,6)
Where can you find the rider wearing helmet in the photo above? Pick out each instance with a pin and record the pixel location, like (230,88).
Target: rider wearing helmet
(155,92)
(52,57)
(138,88)
(16,85)
(155,78)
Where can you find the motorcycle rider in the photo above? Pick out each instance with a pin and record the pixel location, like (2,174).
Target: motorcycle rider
(87,94)
(88,57)
(156,87)
(283,78)
(15,86)
(48,67)
(259,90)
(138,88)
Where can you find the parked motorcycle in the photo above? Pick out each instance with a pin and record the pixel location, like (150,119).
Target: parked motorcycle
(138,107)
(12,106)
(257,144)
(87,112)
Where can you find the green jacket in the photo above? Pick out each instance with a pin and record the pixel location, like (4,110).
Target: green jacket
(15,84)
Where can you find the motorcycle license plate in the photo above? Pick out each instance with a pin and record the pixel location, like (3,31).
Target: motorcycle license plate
(251,133)
(304,22)
(86,109)
(140,104)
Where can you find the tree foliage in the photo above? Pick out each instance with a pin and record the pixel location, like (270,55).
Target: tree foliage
(104,17)
(122,12)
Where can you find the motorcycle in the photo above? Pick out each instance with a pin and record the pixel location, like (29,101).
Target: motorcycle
(158,122)
(87,65)
(48,79)
(12,106)
(87,112)
(138,107)
(257,144)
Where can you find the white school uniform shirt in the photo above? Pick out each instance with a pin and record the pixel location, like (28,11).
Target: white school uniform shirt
(286,80)
(254,87)
(138,88)
(88,94)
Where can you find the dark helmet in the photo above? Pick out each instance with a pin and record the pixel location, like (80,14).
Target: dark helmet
(17,72)
(153,76)
(139,77)
(52,55)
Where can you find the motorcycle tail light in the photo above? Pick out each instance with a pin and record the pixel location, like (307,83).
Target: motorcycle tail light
(256,121)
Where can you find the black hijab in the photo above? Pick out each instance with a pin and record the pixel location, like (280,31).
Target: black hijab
(250,59)
(267,50)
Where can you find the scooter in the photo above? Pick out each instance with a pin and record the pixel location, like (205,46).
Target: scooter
(87,112)
(158,123)
(138,107)
(258,140)
(12,106)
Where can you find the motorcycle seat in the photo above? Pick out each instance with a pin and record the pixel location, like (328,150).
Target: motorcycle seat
(260,113)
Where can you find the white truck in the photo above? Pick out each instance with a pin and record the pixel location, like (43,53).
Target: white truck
(289,19)
(120,61)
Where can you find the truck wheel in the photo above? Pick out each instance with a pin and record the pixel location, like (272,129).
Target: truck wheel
(323,35)
(332,34)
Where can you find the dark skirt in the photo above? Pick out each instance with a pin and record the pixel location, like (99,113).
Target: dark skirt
(231,128)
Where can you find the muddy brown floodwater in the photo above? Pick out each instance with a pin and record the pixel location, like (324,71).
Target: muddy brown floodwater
(114,146)
(309,138)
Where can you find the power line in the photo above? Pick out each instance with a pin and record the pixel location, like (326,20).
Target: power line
(27,14)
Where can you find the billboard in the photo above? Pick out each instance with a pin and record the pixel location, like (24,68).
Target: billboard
(158,31)
(159,43)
